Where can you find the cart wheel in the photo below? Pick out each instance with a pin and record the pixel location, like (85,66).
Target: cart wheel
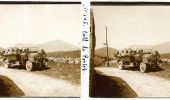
(143,67)
(120,65)
(29,65)
(7,64)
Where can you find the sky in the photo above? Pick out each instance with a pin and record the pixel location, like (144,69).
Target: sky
(131,25)
(39,23)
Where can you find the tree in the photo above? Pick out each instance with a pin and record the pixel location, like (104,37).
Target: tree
(92,52)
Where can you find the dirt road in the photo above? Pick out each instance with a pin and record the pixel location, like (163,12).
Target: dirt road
(39,85)
(144,85)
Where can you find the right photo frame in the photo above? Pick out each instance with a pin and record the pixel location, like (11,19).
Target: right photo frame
(129,50)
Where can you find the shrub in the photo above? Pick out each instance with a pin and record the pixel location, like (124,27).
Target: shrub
(98,61)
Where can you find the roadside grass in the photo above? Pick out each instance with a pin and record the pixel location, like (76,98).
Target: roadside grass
(166,55)
(101,62)
(98,61)
(72,54)
(8,88)
(67,72)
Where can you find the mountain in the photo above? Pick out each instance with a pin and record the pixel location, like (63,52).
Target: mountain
(162,48)
(57,45)
(102,52)
(50,46)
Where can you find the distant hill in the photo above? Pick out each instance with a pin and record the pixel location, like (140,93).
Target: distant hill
(101,52)
(50,46)
(162,48)
(75,53)
(57,45)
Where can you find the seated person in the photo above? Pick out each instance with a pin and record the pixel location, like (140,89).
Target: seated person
(43,53)
(8,52)
(122,53)
(126,52)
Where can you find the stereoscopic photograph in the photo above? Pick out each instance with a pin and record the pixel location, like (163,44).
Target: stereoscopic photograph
(130,48)
(40,50)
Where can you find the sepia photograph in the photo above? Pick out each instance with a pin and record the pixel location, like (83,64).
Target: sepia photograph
(40,50)
(130,51)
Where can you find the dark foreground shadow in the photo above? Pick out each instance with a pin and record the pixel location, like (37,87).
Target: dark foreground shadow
(111,87)
(8,88)
(155,70)
(41,68)
(132,68)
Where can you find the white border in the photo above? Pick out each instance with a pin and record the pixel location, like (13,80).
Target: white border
(85,13)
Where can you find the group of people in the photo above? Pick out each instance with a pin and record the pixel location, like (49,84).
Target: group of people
(129,52)
(14,51)
(20,51)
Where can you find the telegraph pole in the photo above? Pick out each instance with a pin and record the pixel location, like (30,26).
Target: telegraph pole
(107,48)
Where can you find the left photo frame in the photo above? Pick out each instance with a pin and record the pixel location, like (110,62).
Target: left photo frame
(40,49)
